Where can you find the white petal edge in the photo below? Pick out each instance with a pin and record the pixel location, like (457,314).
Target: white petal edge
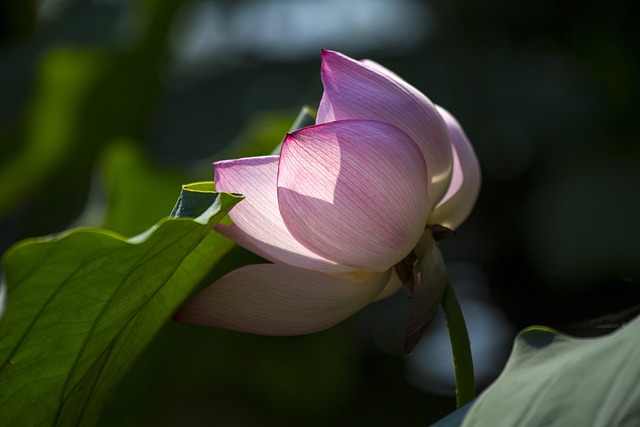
(257,224)
(274,299)
(463,191)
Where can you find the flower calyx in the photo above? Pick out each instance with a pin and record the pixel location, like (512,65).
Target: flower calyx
(424,277)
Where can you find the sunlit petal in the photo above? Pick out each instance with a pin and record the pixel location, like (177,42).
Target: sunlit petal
(365,90)
(258,225)
(275,299)
(465,183)
(353,191)
(373,65)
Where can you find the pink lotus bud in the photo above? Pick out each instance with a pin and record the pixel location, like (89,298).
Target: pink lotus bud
(345,201)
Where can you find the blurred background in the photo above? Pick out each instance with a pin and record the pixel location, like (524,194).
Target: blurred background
(107,107)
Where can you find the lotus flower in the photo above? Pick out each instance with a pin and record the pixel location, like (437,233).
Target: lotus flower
(345,201)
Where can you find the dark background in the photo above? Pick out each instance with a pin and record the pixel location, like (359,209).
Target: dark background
(547,92)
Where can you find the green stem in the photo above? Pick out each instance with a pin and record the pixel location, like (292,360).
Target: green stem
(460,347)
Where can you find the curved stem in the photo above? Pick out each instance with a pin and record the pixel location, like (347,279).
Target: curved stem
(460,347)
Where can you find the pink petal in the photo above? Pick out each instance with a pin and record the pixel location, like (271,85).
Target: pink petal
(276,299)
(353,191)
(374,66)
(366,90)
(258,225)
(463,191)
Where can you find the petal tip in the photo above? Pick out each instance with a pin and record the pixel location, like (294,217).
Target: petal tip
(334,58)
(328,53)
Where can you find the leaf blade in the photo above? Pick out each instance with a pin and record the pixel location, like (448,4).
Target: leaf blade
(81,306)
(553,379)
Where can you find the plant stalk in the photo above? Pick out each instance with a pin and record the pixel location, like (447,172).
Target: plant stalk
(460,347)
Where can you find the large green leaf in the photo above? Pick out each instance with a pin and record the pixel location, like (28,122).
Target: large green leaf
(557,380)
(82,306)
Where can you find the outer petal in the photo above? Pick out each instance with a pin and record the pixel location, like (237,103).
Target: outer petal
(276,299)
(373,65)
(357,90)
(258,225)
(465,183)
(353,191)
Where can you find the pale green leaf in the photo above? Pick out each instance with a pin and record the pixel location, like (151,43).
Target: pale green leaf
(554,380)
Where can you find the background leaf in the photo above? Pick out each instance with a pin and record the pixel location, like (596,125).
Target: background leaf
(264,132)
(138,192)
(557,380)
(82,306)
(82,96)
